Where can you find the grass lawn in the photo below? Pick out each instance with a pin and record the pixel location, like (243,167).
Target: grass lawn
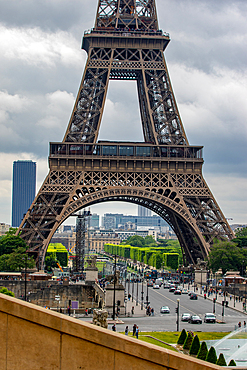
(172,337)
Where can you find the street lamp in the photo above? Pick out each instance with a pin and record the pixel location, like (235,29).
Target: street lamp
(201,280)
(114,289)
(137,290)
(177,312)
(142,292)
(234,290)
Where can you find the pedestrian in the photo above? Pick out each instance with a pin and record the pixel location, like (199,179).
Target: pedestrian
(152,311)
(86,313)
(134,329)
(132,310)
(113,328)
(129,296)
(69,310)
(239,324)
(126,332)
(137,332)
(244,324)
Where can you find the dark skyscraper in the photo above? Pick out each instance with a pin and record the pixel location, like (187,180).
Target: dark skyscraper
(23,189)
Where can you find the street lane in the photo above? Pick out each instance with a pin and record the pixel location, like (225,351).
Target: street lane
(162,297)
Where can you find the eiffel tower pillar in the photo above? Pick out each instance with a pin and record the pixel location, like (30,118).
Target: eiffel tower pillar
(163,173)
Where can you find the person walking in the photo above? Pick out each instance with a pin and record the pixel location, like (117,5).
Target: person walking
(126,332)
(137,332)
(134,330)
(113,327)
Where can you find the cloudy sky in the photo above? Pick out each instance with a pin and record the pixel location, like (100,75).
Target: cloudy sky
(41,65)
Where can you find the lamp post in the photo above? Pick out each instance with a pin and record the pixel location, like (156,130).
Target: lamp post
(137,290)
(114,289)
(147,295)
(177,312)
(25,291)
(234,291)
(201,280)
(142,292)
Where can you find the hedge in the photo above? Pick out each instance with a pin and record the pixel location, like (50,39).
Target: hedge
(59,251)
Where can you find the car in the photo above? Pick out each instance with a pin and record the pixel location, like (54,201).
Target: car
(195,319)
(166,286)
(193,296)
(156,286)
(177,292)
(185,291)
(185,317)
(164,309)
(172,289)
(150,283)
(210,317)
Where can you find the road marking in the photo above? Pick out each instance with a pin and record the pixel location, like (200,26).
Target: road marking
(169,299)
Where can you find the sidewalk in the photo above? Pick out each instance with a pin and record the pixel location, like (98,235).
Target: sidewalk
(237,307)
(138,312)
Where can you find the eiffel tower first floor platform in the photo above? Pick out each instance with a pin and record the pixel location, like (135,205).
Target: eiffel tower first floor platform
(166,179)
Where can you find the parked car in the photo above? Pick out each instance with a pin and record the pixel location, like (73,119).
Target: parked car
(193,296)
(210,317)
(164,309)
(156,286)
(185,317)
(177,292)
(195,319)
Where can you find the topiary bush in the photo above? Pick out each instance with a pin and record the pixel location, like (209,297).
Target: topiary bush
(4,290)
(211,356)
(195,346)
(188,340)
(182,337)
(203,351)
(221,360)
(232,363)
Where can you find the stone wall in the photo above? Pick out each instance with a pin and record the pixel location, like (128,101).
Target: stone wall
(43,293)
(33,338)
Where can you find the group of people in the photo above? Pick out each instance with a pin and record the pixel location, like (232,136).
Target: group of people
(149,311)
(126,331)
(239,324)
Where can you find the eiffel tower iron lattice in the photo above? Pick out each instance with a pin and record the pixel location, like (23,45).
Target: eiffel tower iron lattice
(163,173)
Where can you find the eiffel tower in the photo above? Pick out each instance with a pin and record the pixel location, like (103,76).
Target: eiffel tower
(163,173)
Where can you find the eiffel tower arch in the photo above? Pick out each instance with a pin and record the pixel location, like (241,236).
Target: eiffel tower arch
(163,173)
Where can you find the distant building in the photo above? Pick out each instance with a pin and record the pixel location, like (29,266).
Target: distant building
(23,189)
(115,220)
(94,220)
(142,211)
(4,228)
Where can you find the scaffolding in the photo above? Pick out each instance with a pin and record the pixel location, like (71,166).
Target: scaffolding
(80,246)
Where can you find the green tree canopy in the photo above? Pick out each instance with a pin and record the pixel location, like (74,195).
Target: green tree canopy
(4,290)
(226,255)
(135,241)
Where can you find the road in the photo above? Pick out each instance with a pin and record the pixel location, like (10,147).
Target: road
(161,322)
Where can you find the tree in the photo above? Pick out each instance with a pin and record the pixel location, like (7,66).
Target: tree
(135,241)
(150,241)
(232,363)
(226,255)
(4,290)
(182,337)
(16,261)
(9,243)
(203,351)
(221,360)
(211,356)
(195,346)
(188,340)
(241,232)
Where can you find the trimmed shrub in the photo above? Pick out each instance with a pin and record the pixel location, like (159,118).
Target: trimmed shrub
(232,363)
(4,290)
(203,351)
(182,337)
(211,356)
(195,346)
(221,360)
(188,341)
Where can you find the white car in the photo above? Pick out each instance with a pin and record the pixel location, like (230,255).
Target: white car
(185,291)
(164,309)
(156,286)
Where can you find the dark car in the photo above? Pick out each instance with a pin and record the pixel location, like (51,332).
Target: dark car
(195,319)
(210,317)
(150,283)
(172,289)
(193,296)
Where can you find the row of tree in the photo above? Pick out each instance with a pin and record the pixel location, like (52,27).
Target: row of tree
(152,256)
(191,342)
